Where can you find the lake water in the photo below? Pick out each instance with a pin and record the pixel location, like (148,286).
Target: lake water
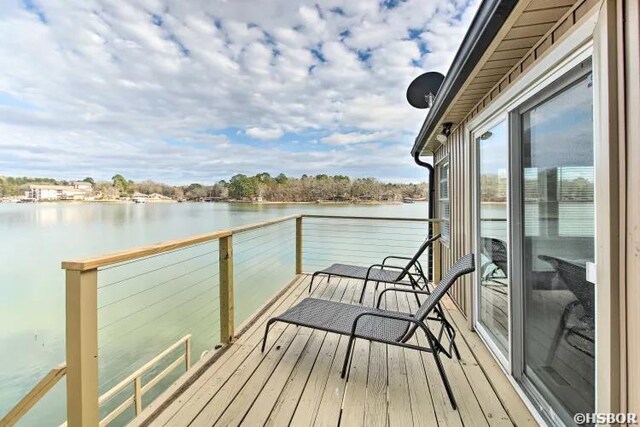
(35,238)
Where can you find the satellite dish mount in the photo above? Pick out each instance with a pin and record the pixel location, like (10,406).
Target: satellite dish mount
(422,91)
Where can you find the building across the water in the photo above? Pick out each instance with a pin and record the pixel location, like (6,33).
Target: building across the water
(78,190)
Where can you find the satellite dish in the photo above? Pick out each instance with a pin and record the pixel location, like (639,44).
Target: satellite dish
(423,89)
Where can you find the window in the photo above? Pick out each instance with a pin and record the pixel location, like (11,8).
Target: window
(443,201)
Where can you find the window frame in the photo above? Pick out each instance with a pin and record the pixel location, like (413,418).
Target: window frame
(445,236)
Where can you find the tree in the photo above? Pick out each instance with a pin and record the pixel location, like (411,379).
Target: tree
(242,187)
(121,184)
(89,180)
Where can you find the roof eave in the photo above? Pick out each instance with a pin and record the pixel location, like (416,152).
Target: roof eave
(490,17)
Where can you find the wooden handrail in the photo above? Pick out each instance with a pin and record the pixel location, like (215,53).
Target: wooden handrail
(158,248)
(371,218)
(262,224)
(35,394)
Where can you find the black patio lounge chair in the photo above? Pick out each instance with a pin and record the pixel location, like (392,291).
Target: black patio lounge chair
(385,326)
(383,272)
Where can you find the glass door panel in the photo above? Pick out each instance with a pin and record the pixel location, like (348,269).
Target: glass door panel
(558,241)
(493,290)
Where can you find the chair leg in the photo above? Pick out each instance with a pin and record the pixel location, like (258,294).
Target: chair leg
(364,288)
(445,380)
(313,276)
(562,325)
(435,350)
(266,332)
(347,357)
(455,348)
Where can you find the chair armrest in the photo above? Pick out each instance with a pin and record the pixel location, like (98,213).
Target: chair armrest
(387,315)
(406,258)
(381,267)
(395,257)
(411,291)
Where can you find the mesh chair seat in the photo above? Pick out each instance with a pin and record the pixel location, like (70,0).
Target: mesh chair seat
(339,317)
(357,272)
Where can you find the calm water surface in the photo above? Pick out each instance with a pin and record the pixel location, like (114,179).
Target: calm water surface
(35,238)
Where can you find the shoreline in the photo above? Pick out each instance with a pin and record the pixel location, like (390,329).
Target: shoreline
(246,202)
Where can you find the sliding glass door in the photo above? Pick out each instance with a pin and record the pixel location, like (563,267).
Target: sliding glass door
(492,306)
(556,241)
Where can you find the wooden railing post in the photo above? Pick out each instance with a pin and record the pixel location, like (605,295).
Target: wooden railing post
(137,394)
(226,289)
(437,251)
(82,347)
(299,245)
(187,354)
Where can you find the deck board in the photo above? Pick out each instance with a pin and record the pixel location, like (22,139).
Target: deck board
(297,380)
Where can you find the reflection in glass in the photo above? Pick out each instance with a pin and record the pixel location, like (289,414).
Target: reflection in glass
(494,272)
(558,214)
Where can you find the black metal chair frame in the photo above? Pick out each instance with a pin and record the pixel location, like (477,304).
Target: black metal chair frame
(463,266)
(403,272)
(584,298)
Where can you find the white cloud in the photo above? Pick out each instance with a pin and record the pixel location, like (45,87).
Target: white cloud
(101,87)
(263,133)
(354,138)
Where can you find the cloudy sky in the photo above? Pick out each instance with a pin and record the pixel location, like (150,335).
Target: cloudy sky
(198,90)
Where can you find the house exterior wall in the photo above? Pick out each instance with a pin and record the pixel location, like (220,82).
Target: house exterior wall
(616,47)
(457,152)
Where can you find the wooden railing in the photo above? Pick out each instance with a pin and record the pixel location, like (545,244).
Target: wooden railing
(35,394)
(82,307)
(135,380)
(83,400)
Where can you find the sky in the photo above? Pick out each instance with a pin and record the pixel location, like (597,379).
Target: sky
(183,91)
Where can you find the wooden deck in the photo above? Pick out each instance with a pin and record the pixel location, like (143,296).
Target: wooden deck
(297,380)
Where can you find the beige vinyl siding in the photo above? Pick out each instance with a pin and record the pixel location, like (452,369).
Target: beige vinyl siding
(460,243)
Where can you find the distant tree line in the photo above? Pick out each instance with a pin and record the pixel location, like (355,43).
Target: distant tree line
(262,186)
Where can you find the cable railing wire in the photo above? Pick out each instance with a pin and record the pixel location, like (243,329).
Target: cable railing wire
(160,316)
(148,257)
(264,255)
(157,285)
(247,259)
(184,331)
(156,269)
(272,245)
(159,301)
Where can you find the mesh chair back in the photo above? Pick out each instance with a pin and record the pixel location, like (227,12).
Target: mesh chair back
(496,251)
(416,257)
(575,278)
(462,266)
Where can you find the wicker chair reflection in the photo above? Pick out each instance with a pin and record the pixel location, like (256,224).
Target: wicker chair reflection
(495,250)
(577,323)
